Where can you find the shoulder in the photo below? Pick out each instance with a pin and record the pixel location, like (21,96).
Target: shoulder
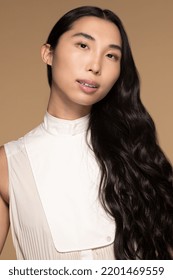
(3,174)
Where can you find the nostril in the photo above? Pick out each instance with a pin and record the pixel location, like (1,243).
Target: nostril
(94,71)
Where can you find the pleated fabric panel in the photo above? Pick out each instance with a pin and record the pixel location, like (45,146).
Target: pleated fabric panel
(30,231)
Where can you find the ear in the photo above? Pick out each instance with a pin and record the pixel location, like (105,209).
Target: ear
(47,54)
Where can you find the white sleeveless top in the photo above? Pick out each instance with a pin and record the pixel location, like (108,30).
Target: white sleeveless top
(53,181)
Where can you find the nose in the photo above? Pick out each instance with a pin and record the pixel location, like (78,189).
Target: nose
(94,66)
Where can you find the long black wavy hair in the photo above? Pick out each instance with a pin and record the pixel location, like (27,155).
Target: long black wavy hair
(136,186)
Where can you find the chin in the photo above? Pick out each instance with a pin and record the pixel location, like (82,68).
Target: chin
(89,102)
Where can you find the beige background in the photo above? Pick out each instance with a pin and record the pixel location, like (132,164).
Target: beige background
(24,27)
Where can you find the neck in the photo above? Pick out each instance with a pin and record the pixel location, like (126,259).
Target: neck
(65,109)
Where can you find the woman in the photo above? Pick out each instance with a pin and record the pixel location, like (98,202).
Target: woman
(91,182)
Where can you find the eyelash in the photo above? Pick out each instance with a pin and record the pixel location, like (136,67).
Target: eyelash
(80,44)
(113,56)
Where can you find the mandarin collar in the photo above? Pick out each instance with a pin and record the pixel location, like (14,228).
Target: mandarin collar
(56,126)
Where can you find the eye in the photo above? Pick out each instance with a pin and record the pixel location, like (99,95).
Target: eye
(113,56)
(82,45)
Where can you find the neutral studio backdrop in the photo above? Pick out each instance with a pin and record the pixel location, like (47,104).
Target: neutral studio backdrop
(24,27)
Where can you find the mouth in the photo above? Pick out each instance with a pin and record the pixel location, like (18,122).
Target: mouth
(89,84)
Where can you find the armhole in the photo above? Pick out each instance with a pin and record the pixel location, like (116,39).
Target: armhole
(4,175)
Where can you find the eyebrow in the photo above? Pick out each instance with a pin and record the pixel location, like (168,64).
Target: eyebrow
(87,36)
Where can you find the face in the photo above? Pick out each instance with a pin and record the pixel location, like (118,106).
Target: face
(86,62)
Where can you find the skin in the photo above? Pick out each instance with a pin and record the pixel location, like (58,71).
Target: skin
(77,57)
(4,198)
(94,59)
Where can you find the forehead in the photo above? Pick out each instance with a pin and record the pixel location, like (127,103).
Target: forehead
(98,28)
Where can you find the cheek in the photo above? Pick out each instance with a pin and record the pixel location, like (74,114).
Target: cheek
(60,67)
(62,57)
(109,81)
(113,76)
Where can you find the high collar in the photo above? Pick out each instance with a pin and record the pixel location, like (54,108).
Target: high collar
(57,126)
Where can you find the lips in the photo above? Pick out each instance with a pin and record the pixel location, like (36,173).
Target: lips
(88,83)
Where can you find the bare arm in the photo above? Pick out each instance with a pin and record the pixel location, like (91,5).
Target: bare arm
(4,213)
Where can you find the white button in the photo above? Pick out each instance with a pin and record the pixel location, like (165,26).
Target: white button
(108,238)
(86,255)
